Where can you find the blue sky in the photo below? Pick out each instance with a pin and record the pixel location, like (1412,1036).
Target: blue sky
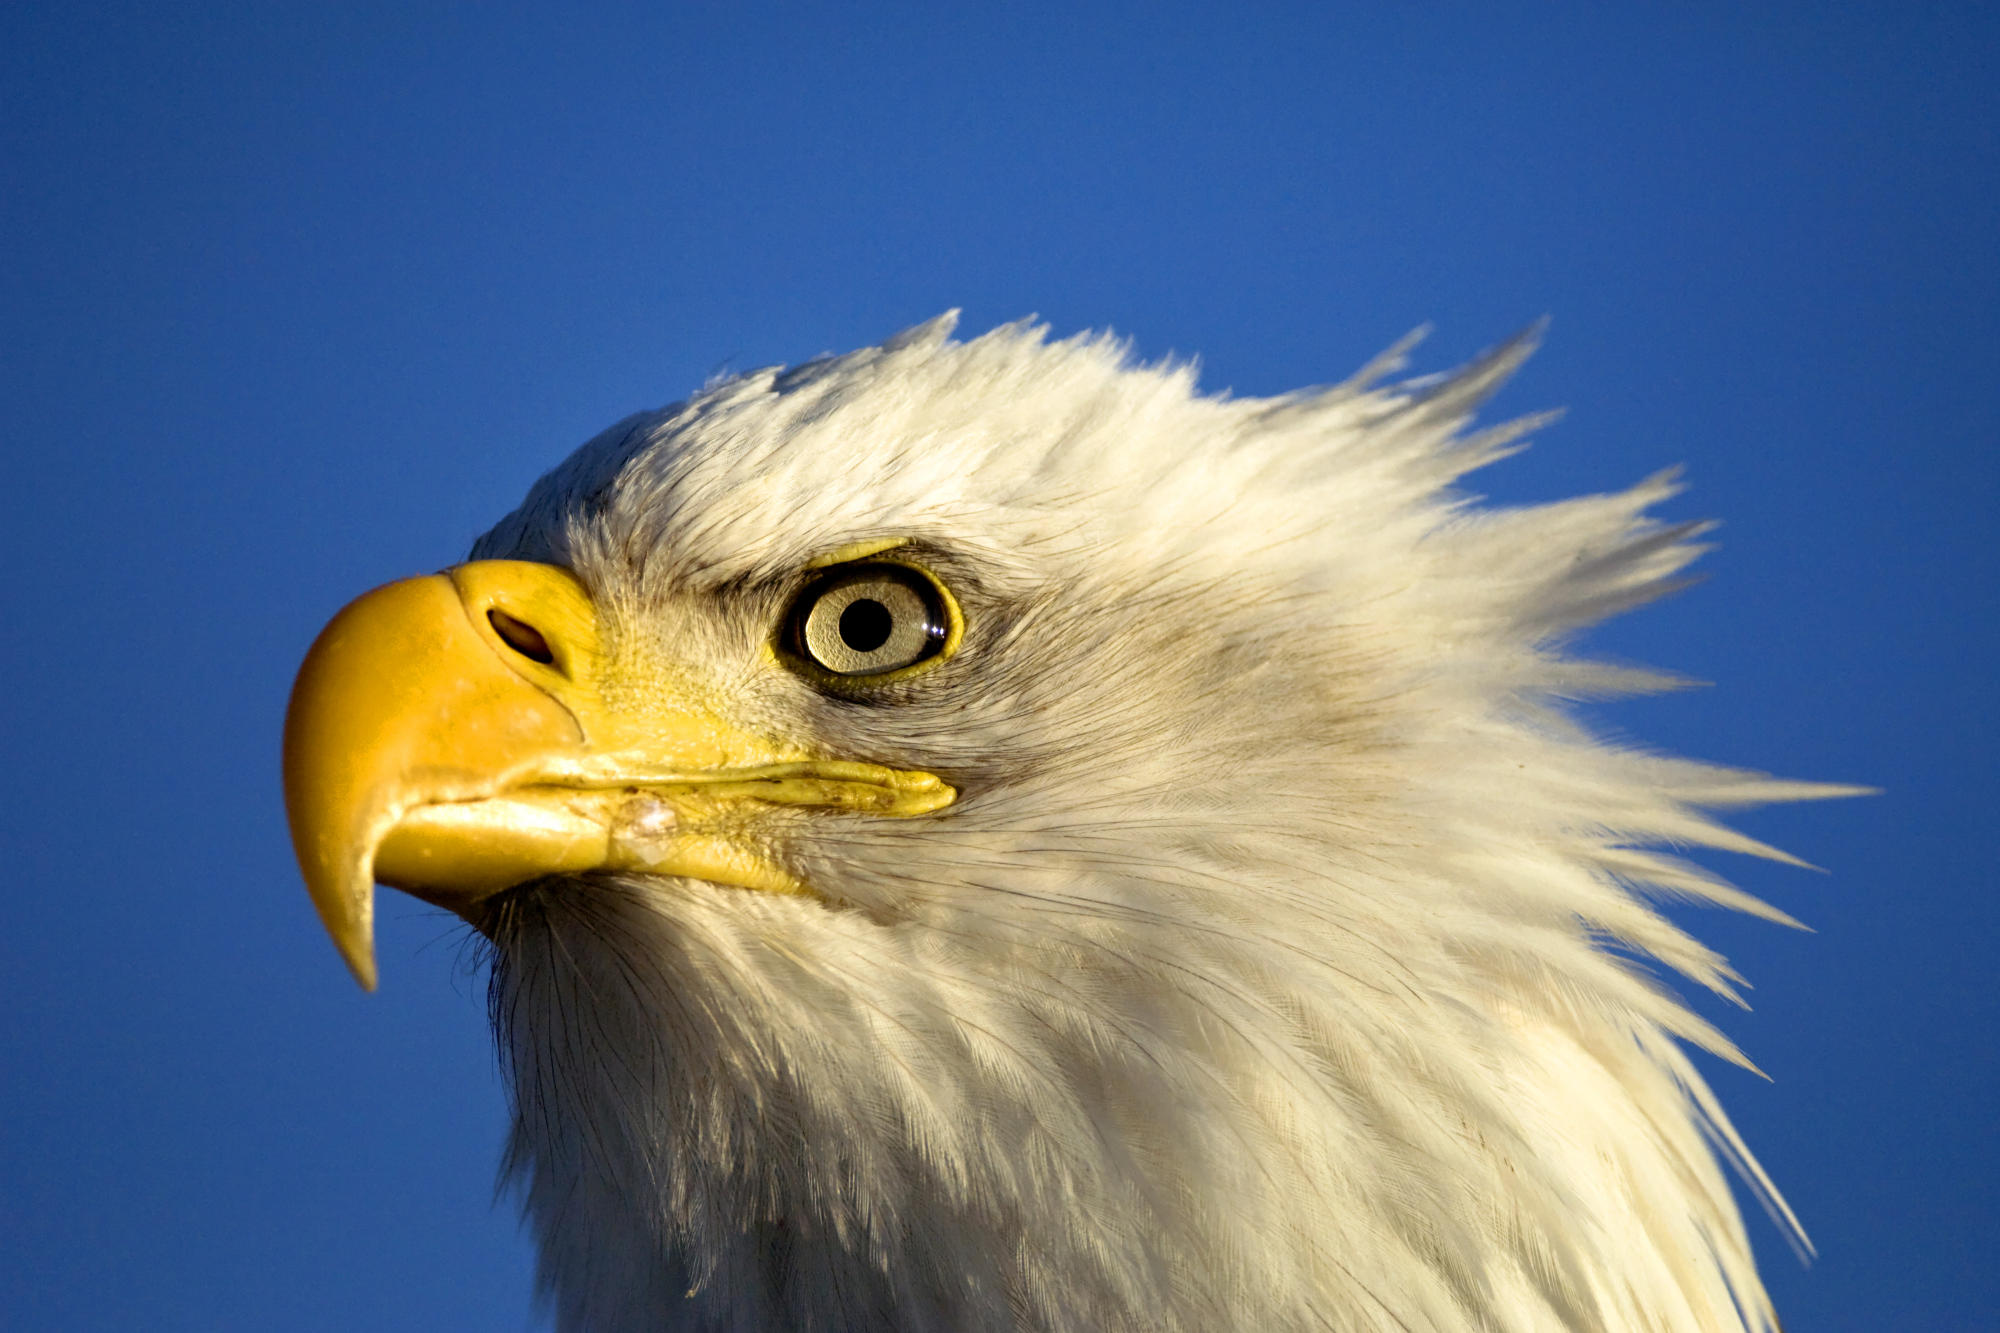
(298,301)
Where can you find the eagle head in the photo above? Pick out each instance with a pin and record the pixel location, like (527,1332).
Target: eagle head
(978,836)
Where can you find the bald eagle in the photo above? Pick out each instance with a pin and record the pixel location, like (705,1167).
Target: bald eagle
(981,836)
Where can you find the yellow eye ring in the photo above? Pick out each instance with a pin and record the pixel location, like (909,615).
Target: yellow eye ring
(868,622)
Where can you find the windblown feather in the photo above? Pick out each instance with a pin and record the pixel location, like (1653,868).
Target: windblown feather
(1273,971)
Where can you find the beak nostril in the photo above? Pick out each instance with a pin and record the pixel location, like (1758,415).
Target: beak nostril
(522,637)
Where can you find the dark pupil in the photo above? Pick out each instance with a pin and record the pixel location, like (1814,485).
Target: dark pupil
(865,625)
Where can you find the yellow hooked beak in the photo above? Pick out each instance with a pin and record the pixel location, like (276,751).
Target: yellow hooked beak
(458,734)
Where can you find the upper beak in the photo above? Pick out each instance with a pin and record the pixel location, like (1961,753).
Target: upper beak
(449,736)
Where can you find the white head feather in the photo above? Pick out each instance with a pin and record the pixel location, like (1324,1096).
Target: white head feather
(1274,970)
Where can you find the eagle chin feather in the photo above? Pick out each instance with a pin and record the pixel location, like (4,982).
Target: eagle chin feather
(1275,968)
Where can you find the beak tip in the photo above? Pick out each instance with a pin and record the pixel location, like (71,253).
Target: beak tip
(349,919)
(355,939)
(362,965)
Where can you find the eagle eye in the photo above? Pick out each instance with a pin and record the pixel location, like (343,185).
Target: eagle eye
(863,620)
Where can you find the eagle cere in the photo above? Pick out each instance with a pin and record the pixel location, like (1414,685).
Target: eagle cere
(978,836)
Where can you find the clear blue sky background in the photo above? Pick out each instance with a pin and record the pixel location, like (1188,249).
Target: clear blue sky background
(296,301)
